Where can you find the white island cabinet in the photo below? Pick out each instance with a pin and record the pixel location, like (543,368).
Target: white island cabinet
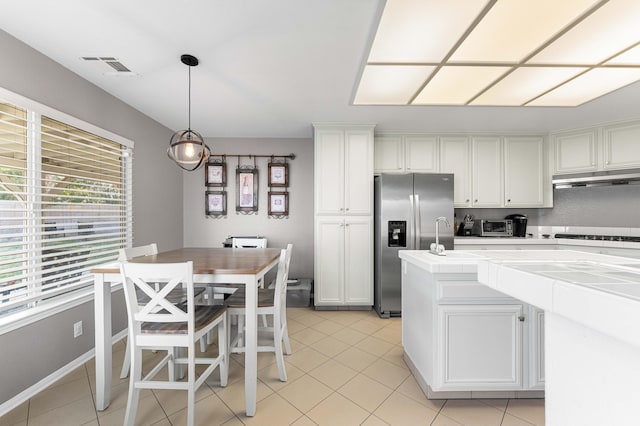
(462,339)
(580,335)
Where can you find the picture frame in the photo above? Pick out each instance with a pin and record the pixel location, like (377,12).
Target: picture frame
(278,174)
(216,203)
(246,190)
(216,174)
(278,203)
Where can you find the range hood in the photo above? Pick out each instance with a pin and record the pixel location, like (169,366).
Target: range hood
(609,177)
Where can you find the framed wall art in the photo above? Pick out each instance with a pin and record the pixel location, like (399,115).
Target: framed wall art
(278,174)
(278,203)
(216,174)
(216,203)
(246,190)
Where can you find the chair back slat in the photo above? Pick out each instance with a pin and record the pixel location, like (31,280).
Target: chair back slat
(144,276)
(129,253)
(282,276)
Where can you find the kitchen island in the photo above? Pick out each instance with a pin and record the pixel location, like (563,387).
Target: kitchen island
(510,323)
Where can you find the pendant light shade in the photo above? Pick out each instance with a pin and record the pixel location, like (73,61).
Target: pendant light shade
(186,147)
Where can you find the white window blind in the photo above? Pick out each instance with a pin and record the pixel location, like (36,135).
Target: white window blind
(65,206)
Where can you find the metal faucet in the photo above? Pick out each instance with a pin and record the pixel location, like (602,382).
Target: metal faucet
(437,248)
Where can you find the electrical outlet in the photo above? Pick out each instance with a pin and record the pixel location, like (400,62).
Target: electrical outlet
(77,329)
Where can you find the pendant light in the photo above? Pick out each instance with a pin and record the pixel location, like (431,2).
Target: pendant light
(186,147)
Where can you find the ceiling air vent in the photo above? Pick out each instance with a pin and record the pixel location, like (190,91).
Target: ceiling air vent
(112,62)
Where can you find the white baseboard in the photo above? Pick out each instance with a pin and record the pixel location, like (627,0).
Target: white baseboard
(38,387)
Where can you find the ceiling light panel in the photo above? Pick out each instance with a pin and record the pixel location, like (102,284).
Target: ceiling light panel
(630,57)
(390,85)
(588,86)
(526,83)
(514,29)
(422,30)
(612,28)
(457,85)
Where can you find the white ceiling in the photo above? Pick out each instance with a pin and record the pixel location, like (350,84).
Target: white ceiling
(267,68)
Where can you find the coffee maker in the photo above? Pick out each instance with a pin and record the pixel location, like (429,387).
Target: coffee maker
(519,224)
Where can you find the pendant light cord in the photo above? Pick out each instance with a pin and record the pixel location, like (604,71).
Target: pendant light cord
(189,127)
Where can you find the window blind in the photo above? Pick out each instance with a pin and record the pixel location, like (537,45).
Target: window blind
(65,206)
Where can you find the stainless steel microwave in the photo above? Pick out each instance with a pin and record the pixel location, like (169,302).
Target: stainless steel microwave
(493,228)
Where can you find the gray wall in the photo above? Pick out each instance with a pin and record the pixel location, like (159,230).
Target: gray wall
(611,206)
(40,349)
(200,231)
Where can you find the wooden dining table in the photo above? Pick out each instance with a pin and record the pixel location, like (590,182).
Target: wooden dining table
(246,266)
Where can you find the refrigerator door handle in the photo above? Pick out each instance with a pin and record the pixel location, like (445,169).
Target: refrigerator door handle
(412,223)
(416,210)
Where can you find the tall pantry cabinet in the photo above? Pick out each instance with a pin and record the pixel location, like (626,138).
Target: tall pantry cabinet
(343,222)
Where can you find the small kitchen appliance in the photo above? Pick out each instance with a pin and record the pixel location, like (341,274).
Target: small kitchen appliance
(493,228)
(519,224)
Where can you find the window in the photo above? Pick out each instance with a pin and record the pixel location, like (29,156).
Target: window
(65,204)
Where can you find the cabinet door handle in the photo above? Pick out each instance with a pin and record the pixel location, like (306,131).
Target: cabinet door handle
(347,209)
(476,201)
(509,200)
(521,318)
(467,200)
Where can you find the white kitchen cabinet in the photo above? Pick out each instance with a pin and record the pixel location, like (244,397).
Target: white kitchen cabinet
(611,147)
(576,152)
(343,187)
(455,157)
(343,170)
(463,339)
(487,166)
(421,154)
(524,171)
(388,154)
(343,261)
(481,347)
(406,153)
(621,146)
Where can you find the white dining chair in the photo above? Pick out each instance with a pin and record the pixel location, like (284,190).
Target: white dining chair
(124,254)
(160,323)
(177,295)
(270,302)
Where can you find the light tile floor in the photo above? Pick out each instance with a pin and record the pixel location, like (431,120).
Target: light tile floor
(346,369)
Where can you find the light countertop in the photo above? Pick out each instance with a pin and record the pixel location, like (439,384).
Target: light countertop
(497,241)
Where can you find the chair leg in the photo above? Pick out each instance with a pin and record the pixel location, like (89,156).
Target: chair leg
(223,351)
(285,338)
(280,359)
(134,393)
(171,365)
(127,360)
(191,390)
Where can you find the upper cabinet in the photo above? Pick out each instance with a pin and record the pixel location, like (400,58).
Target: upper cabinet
(343,170)
(406,153)
(576,152)
(611,147)
(487,183)
(524,171)
(455,157)
(621,146)
(490,171)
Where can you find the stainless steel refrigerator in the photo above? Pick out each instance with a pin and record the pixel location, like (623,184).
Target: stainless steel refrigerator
(406,207)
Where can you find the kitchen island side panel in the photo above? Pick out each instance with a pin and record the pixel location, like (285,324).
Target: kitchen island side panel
(418,316)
